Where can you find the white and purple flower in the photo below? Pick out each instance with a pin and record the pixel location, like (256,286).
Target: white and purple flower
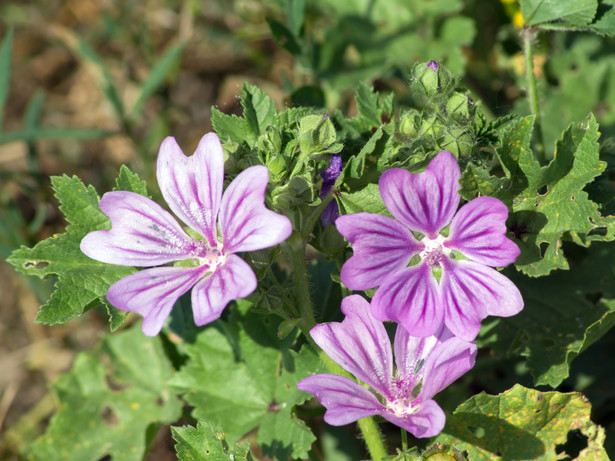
(143,234)
(452,283)
(401,389)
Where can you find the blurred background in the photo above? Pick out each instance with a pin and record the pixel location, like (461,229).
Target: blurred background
(94,84)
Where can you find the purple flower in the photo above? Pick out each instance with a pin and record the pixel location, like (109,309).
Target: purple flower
(144,234)
(433,65)
(452,282)
(329,176)
(401,393)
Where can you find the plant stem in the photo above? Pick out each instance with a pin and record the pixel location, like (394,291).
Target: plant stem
(371,434)
(311,221)
(529,34)
(297,244)
(404,440)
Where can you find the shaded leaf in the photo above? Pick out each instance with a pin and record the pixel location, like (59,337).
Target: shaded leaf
(108,400)
(244,377)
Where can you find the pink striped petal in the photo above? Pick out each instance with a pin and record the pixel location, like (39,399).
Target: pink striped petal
(447,362)
(345,400)
(192,186)
(359,344)
(478,230)
(425,202)
(245,223)
(411,297)
(152,293)
(142,233)
(381,246)
(428,421)
(411,352)
(234,279)
(471,292)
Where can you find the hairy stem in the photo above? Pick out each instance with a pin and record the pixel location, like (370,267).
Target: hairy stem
(528,36)
(297,244)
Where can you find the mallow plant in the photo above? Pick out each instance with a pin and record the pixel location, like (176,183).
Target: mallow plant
(308,266)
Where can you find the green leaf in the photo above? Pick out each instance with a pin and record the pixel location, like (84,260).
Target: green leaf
(564,314)
(5,71)
(206,443)
(366,199)
(258,108)
(574,12)
(157,75)
(605,25)
(242,377)
(81,282)
(108,400)
(367,105)
(232,128)
(284,37)
(522,423)
(549,203)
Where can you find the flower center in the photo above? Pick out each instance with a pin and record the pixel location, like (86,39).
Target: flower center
(434,251)
(204,255)
(405,400)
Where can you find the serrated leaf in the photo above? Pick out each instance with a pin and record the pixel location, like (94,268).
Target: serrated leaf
(522,423)
(605,24)
(258,108)
(95,420)
(575,12)
(564,314)
(549,203)
(129,181)
(206,443)
(241,377)
(366,199)
(81,282)
(232,128)
(367,104)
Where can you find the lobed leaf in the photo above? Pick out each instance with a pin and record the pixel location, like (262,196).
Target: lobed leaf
(549,203)
(108,400)
(243,377)
(522,423)
(564,314)
(81,282)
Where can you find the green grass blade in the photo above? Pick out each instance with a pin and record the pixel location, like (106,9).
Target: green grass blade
(157,75)
(5,70)
(30,134)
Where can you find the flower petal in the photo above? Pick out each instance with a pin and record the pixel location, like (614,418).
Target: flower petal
(446,363)
(411,352)
(428,421)
(410,297)
(192,186)
(381,246)
(345,400)
(142,233)
(425,202)
(360,344)
(152,293)
(478,230)
(471,292)
(245,223)
(234,279)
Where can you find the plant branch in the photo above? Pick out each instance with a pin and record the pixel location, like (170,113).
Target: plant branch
(529,33)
